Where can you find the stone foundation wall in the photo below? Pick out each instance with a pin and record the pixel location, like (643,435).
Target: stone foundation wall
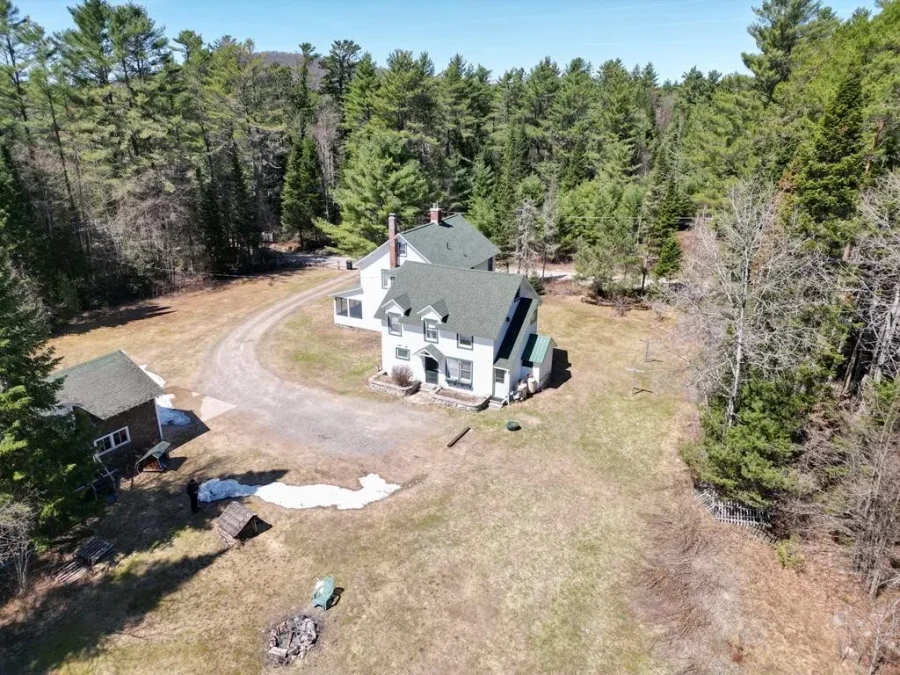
(449,402)
(391,389)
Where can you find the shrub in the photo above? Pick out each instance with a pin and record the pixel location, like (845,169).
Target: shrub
(402,376)
(537,283)
(789,554)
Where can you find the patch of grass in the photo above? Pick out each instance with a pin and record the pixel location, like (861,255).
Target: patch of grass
(311,350)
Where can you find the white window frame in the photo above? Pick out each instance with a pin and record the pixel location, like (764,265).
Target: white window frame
(386,281)
(430,324)
(502,379)
(393,321)
(343,307)
(460,365)
(397,351)
(401,248)
(113,445)
(470,338)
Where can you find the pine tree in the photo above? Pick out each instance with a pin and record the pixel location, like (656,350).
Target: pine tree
(340,65)
(669,260)
(380,178)
(482,210)
(828,181)
(363,91)
(302,201)
(408,96)
(212,228)
(780,28)
(42,457)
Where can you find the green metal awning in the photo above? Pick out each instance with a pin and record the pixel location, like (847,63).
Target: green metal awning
(535,349)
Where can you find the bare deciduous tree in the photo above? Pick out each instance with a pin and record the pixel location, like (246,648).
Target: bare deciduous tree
(748,295)
(872,458)
(527,236)
(326,131)
(16,524)
(876,279)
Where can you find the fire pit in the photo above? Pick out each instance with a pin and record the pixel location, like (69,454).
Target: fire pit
(292,639)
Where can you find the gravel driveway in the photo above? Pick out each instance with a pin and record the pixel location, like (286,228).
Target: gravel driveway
(337,424)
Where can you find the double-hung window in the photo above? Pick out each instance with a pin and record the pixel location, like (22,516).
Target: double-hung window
(401,248)
(459,372)
(387,279)
(112,441)
(464,341)
(393,322)
(431,330)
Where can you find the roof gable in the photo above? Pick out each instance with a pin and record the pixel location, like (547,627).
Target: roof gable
(476,301)
(453,242)
(106,386)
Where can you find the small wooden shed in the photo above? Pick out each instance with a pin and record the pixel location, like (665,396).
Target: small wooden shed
(156,459)
(236,524)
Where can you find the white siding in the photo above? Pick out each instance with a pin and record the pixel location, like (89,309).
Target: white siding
(370,282)
(486,265)
(481,355)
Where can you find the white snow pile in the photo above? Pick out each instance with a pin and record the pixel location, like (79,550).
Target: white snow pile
(165,408)
(372,488)
(153,376)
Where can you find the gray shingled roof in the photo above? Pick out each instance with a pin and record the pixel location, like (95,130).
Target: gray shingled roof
(106,386)
(516,334)
(454,242)
(477,301)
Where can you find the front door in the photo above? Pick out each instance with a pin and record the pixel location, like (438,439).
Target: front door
(499,383)
(431,370)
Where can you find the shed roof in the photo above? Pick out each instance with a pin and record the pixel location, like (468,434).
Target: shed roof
(453,241)
(476,301)
(234,519)
(535,349)
(106,386)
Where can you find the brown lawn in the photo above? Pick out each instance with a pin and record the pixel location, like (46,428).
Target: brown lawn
(508,553)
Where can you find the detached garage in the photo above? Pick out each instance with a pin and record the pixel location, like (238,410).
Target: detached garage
(119,400)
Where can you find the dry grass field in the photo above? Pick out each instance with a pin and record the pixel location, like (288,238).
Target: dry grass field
(508,553)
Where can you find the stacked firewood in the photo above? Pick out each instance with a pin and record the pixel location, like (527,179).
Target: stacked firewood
(292,639)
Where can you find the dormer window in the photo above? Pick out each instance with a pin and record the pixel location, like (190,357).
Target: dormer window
(431,330)
(401,248)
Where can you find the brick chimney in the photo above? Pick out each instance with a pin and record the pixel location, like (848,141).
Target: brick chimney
(435,213)
(392,239)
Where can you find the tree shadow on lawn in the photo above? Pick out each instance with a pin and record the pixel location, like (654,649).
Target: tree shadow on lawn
(69,620)
(112,317)
(73,620)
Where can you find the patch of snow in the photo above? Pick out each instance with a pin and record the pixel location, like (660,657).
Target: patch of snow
(153,376)
(372,489)
(212,407)
(167,413)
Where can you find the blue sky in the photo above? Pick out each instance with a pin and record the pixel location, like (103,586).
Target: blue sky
(673,34)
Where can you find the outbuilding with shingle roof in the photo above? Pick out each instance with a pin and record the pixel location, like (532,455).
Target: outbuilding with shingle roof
(119,400)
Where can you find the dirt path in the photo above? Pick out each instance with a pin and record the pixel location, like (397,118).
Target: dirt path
(336,424)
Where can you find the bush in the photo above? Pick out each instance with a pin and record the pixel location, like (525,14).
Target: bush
(537,283)
(402,376)
(789,554)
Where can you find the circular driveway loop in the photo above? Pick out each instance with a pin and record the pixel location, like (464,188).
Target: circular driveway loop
(342,425)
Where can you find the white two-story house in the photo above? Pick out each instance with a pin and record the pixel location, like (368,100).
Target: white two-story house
(472,330)
(449,241)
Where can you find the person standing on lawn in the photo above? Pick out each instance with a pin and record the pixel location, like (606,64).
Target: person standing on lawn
(193,490)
